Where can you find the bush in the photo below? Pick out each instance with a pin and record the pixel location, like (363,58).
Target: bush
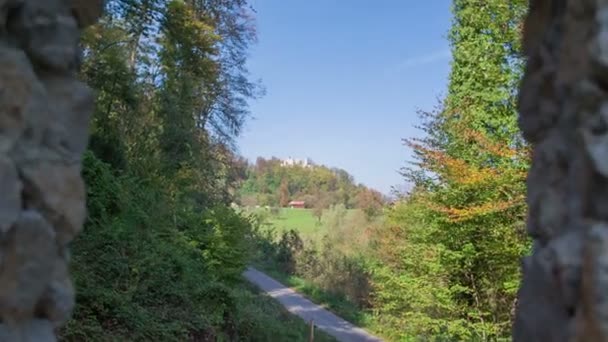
(322,265)
(289,247)
(275,211)
(144,274)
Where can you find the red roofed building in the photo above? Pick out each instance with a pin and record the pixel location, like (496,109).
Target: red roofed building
(297,204)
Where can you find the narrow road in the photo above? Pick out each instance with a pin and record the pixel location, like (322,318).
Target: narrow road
(298,305)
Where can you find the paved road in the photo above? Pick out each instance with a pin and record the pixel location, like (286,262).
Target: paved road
(307,310)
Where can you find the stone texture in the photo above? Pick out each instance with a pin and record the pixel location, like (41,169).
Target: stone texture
(30,254)
(593,314)
(87,11)
(34,330)
(57,300)
(18,85)
(10,200)
(48,33)
(58,191)
(44,118)
(564,115)
(69,117)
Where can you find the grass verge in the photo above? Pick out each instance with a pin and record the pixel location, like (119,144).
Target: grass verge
(335,303)
(295,329)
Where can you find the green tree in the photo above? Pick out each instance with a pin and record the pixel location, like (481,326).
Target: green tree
(321,202)
(411,284)
(265,180)
(471,168)
(284,193)
(161,255)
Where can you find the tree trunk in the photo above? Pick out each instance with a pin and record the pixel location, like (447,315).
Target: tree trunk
(564,116)
(44,119)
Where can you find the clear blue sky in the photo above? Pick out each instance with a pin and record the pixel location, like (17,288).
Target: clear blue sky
(344,79)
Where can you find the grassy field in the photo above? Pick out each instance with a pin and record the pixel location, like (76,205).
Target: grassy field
(301,220)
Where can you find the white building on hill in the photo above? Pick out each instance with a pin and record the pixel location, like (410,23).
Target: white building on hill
(296,162)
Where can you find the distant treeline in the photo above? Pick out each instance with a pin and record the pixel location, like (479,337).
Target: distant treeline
(267,182)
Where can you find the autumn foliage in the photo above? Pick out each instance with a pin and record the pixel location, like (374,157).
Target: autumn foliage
(458,172)
(449,254)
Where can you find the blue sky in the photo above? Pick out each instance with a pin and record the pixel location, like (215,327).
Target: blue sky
(344,79)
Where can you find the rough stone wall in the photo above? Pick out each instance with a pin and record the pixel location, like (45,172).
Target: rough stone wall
(564,115)
(44,118)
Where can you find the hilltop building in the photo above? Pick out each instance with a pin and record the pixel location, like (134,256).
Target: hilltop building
(296,162)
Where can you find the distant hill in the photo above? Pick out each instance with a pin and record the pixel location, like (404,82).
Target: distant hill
(276,182)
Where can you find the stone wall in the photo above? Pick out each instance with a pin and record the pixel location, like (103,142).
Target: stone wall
(564,115)
(44,118)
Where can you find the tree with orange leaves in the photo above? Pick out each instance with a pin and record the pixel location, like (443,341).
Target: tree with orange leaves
(469,174)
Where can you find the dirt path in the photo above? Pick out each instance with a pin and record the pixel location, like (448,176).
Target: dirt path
(298,305)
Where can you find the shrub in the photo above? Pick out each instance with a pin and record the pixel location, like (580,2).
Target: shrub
(144,274)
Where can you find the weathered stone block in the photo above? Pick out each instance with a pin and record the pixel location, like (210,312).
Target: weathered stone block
(48,33)
(10,195)
(58,191)
(30,254)
(19,88)
(44,118)
(564,115)
(37,330)
(69,117)
(87,11)
(58,300)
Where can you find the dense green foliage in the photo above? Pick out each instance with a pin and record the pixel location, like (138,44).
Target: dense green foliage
(161,255)
(140,279)
(162,252)
(444,262)
(470,173)
(268,183)
(326,264)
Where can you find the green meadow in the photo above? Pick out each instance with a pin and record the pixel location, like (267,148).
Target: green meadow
(301,220)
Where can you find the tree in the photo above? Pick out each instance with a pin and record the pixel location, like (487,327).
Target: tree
(284,193)
(172,91)
(265,178)
(562,115)
(412,286)
(321,202)
(371,202)
(470,169)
